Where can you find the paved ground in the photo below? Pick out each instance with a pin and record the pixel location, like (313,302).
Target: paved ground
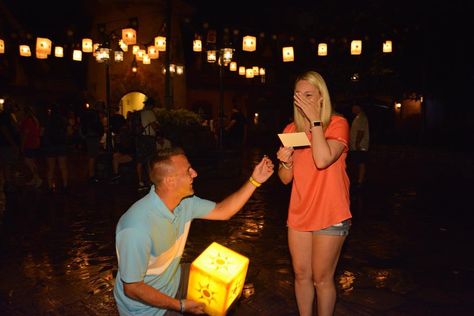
(408,253)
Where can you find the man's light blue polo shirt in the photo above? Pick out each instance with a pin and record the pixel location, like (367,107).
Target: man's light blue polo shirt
(149,241)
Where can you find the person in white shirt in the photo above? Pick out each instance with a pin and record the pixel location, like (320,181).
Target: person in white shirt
(359,142)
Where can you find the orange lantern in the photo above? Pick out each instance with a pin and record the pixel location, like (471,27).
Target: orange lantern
(87,45)
(25,51)
(153,52)
(43,46)
(249,43)
(129,36)
(2,47)
(160,43)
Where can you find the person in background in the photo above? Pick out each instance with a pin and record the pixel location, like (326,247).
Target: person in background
(9,145)
(30,131)
(151,235)
(235,128)
(359,143)
(92,130)
(319,217)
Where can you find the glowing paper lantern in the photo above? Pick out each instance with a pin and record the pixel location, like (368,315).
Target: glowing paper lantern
(2,47)
(233,66)
(87,46)
(387,47)
(197,45)
(249,73)
(118,56)
(262,71)
(41,56)
(77,55)
(255,70)
(43,46)
(249,43)
(356,47)
(322,49)
(25,51)
(242,70)
(288,54)
(146,59)
(153,52)
(140,54)
(129,36)
(160,43)
(211,56)
(217,277)
(179,69)
(58,51)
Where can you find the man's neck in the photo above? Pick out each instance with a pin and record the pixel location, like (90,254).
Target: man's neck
(169,199)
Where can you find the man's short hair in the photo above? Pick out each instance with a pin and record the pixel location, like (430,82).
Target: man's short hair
(160,163)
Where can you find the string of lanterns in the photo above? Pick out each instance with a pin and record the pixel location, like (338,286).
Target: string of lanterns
(43,49)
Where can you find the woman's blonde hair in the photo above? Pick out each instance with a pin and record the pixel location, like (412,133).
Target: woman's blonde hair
(318,82)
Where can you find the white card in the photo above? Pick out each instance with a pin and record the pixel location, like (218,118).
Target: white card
(294,139)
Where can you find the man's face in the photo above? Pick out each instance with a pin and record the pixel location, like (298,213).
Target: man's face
(183,176)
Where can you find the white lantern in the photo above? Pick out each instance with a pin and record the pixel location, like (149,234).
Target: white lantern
(356,47)
(58,51)
(77,55)
(249,43)
(387,47)
(288,54)
(322,49)
(179,69)
(118,55)
(262,71)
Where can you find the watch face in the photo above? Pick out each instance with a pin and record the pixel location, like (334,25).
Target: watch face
(316,123)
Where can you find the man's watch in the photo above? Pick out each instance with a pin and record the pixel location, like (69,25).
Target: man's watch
(316,123)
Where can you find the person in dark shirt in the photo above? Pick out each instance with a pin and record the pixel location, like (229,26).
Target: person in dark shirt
(92,130)
(9,144)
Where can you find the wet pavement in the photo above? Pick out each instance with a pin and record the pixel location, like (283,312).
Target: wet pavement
(409,251)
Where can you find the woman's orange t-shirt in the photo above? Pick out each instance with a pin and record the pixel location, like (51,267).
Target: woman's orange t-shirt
(319,197)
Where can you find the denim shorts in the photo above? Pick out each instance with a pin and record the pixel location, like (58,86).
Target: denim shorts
(341,229)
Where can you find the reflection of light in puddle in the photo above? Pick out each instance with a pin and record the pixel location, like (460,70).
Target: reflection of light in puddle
(346,281)
(248,290)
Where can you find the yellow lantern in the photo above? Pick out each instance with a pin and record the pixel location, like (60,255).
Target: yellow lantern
(233,66)
(217,277)
(160,43)
(197,45)
(211,56)
(179,69)
(255,70)
(123,46)
(95,49)
(387,47)
(129,36)
(242,70)
(288,54)
(41,56)
(249,43)
(58,51)
(2,47)
(322,49)
(153,52)
(135,49)
(87,45)
(118,56)
(146,59)
(140,54)
(356,47)
(43,46)
(249,73)
(77,55)
(262,71)
(25,51)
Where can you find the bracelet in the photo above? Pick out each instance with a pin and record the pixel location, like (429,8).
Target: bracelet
(181,306)
(284,165)
(254,182)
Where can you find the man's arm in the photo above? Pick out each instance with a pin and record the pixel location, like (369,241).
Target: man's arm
(234,202)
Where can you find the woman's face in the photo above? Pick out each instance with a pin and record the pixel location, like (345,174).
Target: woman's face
(306,90)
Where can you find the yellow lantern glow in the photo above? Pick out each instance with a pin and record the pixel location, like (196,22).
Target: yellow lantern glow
(153,52)
(25,51)
(249,73)
(249,43)
(118,56)
(356,47)
(43,46)
(255,70)
(160,43)
(123,46)
(216,278)
(95,49)
(77,55)
(322,49)
(179,69)
(197,45)
(233,66)
(262,71)
(242,70)
(2,47)
(41,56)
(387,47)
(58,51)
(129,36)
(140,54)
(135,49)
(146,59)
(288,54)
(87,45)
(211,56)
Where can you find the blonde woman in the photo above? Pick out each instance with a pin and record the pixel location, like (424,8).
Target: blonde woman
(319,214)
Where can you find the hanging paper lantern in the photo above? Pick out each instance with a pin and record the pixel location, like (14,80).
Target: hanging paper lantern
(211,56)
(135,49)
(58,51)
(77,55)
(322,49)
(179,69)
(118,56)
(233,66)
(216,278)
(87,46)
(153,52)
(227,54)
(262,71)
(146,59)
(249,73)
(160,43)
(123,46)
(356,47)
(2,47)
(25,51)
(43,46)
(288,54)
(41,56)
(255,70)
(95,49)
(129,36)
(197,45)
(387,46)
(242,70)
(249,43)
(140,54)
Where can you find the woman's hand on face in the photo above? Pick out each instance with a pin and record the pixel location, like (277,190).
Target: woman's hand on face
(285,154)
(310,106)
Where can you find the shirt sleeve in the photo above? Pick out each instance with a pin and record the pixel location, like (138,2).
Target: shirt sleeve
(133,249)
(338,129)
(198,207)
